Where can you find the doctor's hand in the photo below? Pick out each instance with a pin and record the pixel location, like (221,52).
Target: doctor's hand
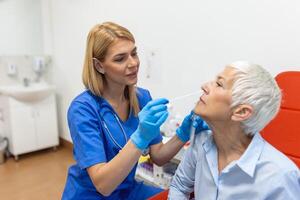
(184,131)
(151,117)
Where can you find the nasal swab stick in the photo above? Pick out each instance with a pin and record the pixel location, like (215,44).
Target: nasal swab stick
(182,97)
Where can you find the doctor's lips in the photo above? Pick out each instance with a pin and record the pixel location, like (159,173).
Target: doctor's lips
(132,74)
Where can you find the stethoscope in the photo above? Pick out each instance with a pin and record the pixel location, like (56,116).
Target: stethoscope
(144,152)
(110,134)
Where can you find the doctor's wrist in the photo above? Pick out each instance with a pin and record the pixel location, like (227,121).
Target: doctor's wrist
(139,142)
(182,136)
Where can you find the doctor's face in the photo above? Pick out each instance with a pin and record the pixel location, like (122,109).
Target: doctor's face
(215,102)
(121,63)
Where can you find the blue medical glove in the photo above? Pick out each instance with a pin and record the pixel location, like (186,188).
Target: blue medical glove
(199,124)
(151,117)
(184,131)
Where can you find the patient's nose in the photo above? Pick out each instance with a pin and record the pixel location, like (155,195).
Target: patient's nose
(205,88)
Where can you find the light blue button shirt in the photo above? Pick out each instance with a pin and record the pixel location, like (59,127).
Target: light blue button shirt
(262,172)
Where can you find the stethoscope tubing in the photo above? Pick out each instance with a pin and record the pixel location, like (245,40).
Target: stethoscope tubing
(109,132)
(144,152)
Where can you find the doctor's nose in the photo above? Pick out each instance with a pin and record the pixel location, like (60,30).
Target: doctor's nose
(133,62)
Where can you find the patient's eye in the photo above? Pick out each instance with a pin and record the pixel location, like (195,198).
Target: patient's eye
(219,84)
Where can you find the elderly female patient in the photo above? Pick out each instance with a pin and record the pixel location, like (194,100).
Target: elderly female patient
(232,161)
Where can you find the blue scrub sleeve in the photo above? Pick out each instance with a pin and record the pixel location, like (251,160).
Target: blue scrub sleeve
(86,134)
(144,97)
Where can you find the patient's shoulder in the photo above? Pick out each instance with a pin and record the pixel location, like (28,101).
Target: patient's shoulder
(273,159)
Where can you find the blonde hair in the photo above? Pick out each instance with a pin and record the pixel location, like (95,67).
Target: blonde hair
(99,40)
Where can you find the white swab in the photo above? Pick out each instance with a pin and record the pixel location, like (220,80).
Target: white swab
(169,105)
(184,96)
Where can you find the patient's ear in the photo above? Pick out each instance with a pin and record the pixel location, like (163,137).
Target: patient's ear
(98,66)
(242,113)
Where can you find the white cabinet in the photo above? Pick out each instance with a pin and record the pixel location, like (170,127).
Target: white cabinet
(22,135)
(30,126)
(46,123)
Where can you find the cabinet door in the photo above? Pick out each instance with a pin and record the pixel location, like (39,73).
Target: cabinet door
(46,123)
(22,128)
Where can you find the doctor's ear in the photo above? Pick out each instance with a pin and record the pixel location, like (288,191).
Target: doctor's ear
(98,66)
(242,113)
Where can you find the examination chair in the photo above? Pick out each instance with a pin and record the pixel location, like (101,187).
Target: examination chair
(164,196)
(160,196)
(283,132)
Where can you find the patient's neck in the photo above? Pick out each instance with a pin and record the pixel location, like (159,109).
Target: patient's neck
(231,142)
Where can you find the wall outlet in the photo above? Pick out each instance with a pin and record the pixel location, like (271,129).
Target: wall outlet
(11,69)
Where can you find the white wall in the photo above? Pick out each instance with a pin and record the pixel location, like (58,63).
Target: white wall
(20,31)
(21,40)
(193,40)
(24,37)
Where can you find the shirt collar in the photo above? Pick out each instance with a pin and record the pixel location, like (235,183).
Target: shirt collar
(208,141)
(248,160)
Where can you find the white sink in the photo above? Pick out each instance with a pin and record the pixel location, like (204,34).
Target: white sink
(33,92)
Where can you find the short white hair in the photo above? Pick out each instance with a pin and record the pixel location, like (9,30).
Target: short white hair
(255,86)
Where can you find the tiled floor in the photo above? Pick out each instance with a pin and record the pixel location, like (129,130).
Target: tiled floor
(35,176)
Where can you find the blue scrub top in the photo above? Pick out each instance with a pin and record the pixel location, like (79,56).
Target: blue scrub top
(92,144)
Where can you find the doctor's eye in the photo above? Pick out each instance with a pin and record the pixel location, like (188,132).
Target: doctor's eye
(134,54)
(119,59)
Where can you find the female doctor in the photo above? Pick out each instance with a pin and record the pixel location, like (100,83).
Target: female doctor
(113,122)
